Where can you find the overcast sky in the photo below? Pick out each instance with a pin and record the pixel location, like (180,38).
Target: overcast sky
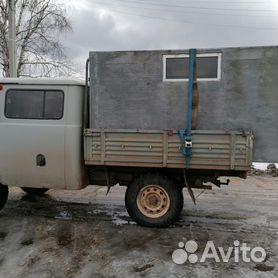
(161,24)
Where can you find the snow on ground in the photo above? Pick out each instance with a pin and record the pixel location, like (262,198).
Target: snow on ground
(86,234)
(262,166)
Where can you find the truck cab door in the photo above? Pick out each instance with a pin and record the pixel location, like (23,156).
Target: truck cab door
(32,136)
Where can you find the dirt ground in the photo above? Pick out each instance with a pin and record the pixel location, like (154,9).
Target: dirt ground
(84,234)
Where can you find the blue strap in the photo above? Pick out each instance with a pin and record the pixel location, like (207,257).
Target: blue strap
(186,149)
(186,134)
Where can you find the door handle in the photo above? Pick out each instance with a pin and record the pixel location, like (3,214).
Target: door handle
(40,160)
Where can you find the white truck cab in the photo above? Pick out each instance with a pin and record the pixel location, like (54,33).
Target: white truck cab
(41,133)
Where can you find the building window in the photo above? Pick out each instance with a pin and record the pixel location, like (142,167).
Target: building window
(175,67)
(34,104)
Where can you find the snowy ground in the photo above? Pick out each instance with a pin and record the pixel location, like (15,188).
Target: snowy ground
(262,166)
(85,234)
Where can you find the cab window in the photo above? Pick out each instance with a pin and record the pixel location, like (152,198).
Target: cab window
(34,104)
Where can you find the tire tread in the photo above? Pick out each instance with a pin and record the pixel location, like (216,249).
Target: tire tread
(175,194)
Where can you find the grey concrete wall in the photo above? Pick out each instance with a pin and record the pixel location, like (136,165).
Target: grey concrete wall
(127,91)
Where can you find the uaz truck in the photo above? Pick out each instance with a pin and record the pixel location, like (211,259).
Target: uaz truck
(52,136)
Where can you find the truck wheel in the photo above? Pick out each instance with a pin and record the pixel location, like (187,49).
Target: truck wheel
(153,201)
(34,191)
(4,192)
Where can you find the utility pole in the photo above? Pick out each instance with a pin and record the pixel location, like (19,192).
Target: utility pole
(12,52)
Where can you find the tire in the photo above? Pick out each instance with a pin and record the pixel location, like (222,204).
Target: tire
(34,191)
(153,201)
(4,192)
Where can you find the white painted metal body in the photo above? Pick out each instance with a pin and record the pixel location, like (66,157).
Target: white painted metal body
(60,141)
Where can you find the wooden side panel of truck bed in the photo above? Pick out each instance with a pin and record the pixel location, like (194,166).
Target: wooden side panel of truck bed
(215,150)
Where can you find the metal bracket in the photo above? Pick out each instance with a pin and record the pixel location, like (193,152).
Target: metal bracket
(218,183)
(186,148)
(108,181)
(189,189)
(187,141)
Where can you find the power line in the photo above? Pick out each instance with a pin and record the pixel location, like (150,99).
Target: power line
(186,21)
(220,1)
(214,2)
(193,7)
(179,11)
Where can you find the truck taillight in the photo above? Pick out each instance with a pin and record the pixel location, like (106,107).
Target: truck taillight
(1,87)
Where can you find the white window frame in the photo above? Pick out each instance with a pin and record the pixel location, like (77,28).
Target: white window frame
(165,57)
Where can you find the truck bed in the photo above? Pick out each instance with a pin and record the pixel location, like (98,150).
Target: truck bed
(132,84)
(215,150)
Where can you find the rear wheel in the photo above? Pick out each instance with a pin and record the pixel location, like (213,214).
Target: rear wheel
(4,192)
(34,191)
(153,201)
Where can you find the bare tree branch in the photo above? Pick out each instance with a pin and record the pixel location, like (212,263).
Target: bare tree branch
(38,26)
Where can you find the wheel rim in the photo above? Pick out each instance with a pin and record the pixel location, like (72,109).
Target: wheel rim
(153,201)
